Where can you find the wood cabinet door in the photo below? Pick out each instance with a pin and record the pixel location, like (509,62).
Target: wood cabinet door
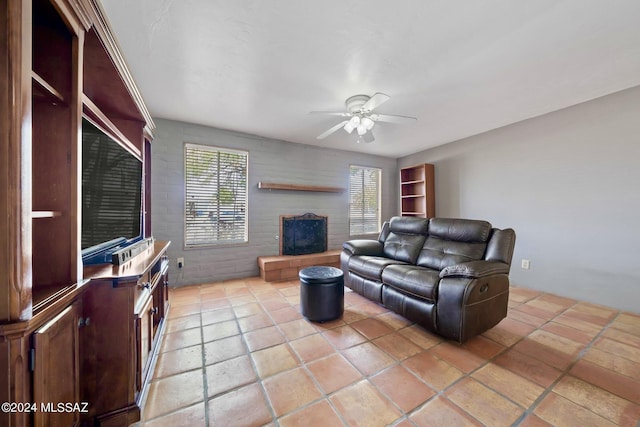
(144,338)
(56,370)
(157,311)
(165,293)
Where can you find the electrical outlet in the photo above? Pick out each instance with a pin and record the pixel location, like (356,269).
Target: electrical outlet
(525,264)
(180,262)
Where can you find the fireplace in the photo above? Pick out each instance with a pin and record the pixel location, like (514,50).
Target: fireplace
(303,234)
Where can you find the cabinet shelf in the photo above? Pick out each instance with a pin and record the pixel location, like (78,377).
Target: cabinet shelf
(45,296)
(412,196)
(43,90)
(45,214)
(419,181)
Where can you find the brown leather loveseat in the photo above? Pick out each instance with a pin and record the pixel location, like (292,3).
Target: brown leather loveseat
(449,275)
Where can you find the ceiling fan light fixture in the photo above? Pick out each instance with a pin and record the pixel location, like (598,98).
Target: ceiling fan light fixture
(348,128)
(359,115)
(352,124)
(367,123)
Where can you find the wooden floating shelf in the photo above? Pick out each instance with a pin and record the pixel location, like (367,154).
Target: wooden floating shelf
(294,187)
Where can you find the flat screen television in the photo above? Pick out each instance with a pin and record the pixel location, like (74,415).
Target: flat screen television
(111,195)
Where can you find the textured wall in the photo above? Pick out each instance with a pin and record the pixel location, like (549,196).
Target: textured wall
(567,182)
(269,161)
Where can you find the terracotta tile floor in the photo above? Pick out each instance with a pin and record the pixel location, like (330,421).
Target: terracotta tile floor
(239,353)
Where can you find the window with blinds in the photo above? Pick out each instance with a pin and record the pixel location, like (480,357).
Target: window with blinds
(364,200)
(215,196)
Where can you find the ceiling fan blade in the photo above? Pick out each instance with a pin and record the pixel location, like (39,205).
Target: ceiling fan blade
(331,113)
(368,137)
(392,118)
(375,101)
(332,130)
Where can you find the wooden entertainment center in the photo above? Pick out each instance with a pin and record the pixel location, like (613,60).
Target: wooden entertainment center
(83,336)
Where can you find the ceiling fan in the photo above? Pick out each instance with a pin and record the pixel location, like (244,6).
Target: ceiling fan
(360,116)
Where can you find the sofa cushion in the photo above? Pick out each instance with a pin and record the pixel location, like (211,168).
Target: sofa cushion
(370,266)
(453,241)
(408,225)
(417,281)
(405,239)
(461,230)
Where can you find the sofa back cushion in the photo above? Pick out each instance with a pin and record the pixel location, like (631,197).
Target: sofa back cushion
(453,241)
(406,238)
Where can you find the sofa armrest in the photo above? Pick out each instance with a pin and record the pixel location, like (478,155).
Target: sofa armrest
(469,306)
(474,269)
(363,247)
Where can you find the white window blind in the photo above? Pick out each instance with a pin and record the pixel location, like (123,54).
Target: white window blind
(215,195)
(364,200)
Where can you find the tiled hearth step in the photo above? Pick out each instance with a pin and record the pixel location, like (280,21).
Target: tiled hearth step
(286,267)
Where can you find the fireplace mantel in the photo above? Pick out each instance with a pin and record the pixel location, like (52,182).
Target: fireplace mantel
(296,187)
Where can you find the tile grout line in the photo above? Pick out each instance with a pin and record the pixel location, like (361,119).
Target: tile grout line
(204,364)
(205,386)
(566,371)
(397,362)
(304,365)
(365,377)
(441,393)
(259,379)
(527,411)
(405,415)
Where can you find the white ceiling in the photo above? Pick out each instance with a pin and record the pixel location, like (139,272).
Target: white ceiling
(462,67)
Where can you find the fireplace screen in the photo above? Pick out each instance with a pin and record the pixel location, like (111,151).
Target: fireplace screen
(303,234)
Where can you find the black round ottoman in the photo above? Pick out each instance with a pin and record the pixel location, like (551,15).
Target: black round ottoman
(321,293)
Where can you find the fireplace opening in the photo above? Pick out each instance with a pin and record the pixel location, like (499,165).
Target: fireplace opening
(303,234)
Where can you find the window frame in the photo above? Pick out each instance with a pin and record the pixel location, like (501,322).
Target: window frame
(379,202)
(212,241)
